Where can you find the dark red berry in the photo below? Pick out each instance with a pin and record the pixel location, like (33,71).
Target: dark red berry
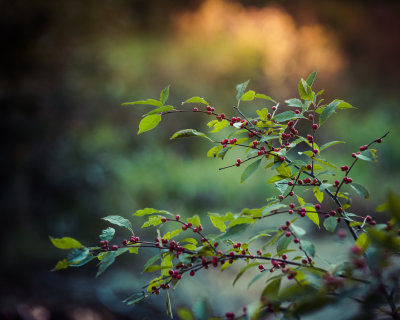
(115,247)
(163,219)
(177,217)
(195,109)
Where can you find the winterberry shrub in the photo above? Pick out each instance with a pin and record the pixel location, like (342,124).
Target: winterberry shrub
(298,280)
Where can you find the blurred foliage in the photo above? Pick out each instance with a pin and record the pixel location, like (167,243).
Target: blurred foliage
(71,152)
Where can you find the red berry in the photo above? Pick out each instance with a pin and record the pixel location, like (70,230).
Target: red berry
(290,123)
(192,273)
(163,219)
(353,155)
(309,167)
(315,126)
(290,211)
(296,240)
(284,256)
(297,111)
(115,247)
(344,168)
(195,109)
(291,193)
(317,206)
(261,267)
(222,115)
(177,217)
(184,227)
(281,197)
(125,242)
(288,234)
(304,261)
(379,140)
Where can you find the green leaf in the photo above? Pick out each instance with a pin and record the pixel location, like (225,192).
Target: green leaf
(218,222)
(324,162)
(160,110)
(282,185)
(241,88)
(185,314)
(319,195)
(214,151)
(62,264)
(265,97)
(168,307)
(248,96)
(361,190)
(145,211)
(294,103)
(271,291)
(164,94)
(363,242)
(196,100)
(305,91)
(263,113)
(119,221)
(151,261)
(250,169)
(312,215)
(195,220)
(287,115)
(367,155)
(241,272)
(234,231)
(328,111)
(308,247)
(301,201)
(166,261)
(152,221)
(382,207)
(220,125)
(344,105)
(108,259)
(135,298)
(149,122)
(330,224)
(107,234)
(283,243)
(329,144)
(202,309)
(185,133)
(298,231)
(76,256)
(273,207)
(255,279)
(65,243)
(311,78)
(150,102)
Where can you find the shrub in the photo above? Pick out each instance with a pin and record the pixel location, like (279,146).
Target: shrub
(297,281)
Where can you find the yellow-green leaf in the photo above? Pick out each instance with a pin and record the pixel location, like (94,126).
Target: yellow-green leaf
(149,122)
(319,195)
(65,243)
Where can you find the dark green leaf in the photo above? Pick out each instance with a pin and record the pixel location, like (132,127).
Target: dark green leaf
(241,88)
(308,247)
(65,243)
(196,100)
(243,271)
(149,122)
(107,234)
(330,224)
(282,185)
(185,133)
(150,102)
(108,259)
(273,207)
(287,115)
(151,261)
(283,243)
(231,232)
(328,111)
(271,291)
(119,221)
(164,94)
(361,190)
(135,298)
(255,279)
(311,78)
(367,155)
(250,169)
(202,309)
(78,255)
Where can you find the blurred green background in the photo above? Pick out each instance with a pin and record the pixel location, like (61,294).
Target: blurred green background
(71,154)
